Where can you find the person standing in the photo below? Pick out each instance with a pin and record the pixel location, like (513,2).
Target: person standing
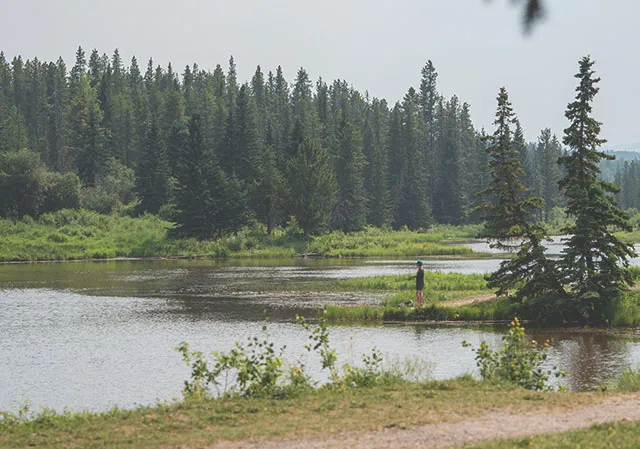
(419,283)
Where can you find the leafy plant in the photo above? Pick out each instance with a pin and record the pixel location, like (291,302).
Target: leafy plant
(319,337)
(371,374)
(519,360)
(255,369)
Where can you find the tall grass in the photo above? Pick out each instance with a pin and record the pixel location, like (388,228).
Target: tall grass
(626,310)
(629,380)
(433,280)
(499,310)
(81,234)
(378,242)
(438,288)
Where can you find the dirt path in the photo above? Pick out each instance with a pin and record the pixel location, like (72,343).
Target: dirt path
(471,300)
(492,426)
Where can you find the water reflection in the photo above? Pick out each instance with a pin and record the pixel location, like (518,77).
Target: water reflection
(589,358)
(94,335)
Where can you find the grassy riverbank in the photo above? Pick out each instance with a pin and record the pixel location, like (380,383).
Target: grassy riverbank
(457,297)
(73,234)
(440,288)
(305,413)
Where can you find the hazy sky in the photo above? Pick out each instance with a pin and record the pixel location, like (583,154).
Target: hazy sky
(377,46)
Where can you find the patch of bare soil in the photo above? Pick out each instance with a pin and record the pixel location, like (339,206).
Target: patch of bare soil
(471,300)
(492,426)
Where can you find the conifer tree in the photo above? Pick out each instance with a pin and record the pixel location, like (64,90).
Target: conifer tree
(349,213)
(5,87)
(268,191)
(412,208)
(246,144)
(280,117)
(447,204)
(547,153)
(376,137)
(468,170)
(594,260)
(85,132)
(152,173)
(208,201)
(428,102)
(58,97)
(78,68)
(507,212)
(313,187)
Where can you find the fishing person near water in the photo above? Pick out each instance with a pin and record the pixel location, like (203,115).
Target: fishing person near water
(419,276)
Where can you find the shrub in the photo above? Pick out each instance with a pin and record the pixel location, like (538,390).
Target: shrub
(519,360)
(369,375)
(256,369)
(319,337)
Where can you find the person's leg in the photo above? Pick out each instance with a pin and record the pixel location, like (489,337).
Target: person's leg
(419,297)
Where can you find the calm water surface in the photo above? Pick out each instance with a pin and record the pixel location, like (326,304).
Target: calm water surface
(89,336)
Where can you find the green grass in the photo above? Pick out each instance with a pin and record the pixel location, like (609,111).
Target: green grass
(626,310)
(433,280)
(629,380)
(618,435)
(439,288)
(377,242)
(502,310)
(81,234)
(307,413)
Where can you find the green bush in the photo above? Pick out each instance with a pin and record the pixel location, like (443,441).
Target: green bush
(371,374)
(256,367)
(518,361)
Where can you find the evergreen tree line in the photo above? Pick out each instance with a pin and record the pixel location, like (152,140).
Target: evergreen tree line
(628,179)
(211,153)
(591,274)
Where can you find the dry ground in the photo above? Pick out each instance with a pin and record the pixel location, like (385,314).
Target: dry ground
(492,426)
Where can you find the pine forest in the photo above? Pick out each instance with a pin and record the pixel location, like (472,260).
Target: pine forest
(210,153)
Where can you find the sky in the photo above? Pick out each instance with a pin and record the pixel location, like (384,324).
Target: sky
(379,46)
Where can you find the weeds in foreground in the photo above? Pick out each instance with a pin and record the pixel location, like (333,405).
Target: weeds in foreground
(629,380)
(519,360)
(256,369)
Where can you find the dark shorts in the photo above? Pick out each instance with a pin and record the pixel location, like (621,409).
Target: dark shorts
(419,287)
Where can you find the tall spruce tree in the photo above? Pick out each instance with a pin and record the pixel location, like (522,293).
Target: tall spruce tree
(57,94)
(349,213)
(468,170)
(507,214)
(594,260)
(268,192)
(376,134)
(208,202)
(313,187)
(86,133)
(152,173)
(547,153)
(428,102)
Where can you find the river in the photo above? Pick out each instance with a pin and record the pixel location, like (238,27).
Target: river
(94,335)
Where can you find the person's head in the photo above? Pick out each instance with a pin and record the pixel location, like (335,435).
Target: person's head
(419,263)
